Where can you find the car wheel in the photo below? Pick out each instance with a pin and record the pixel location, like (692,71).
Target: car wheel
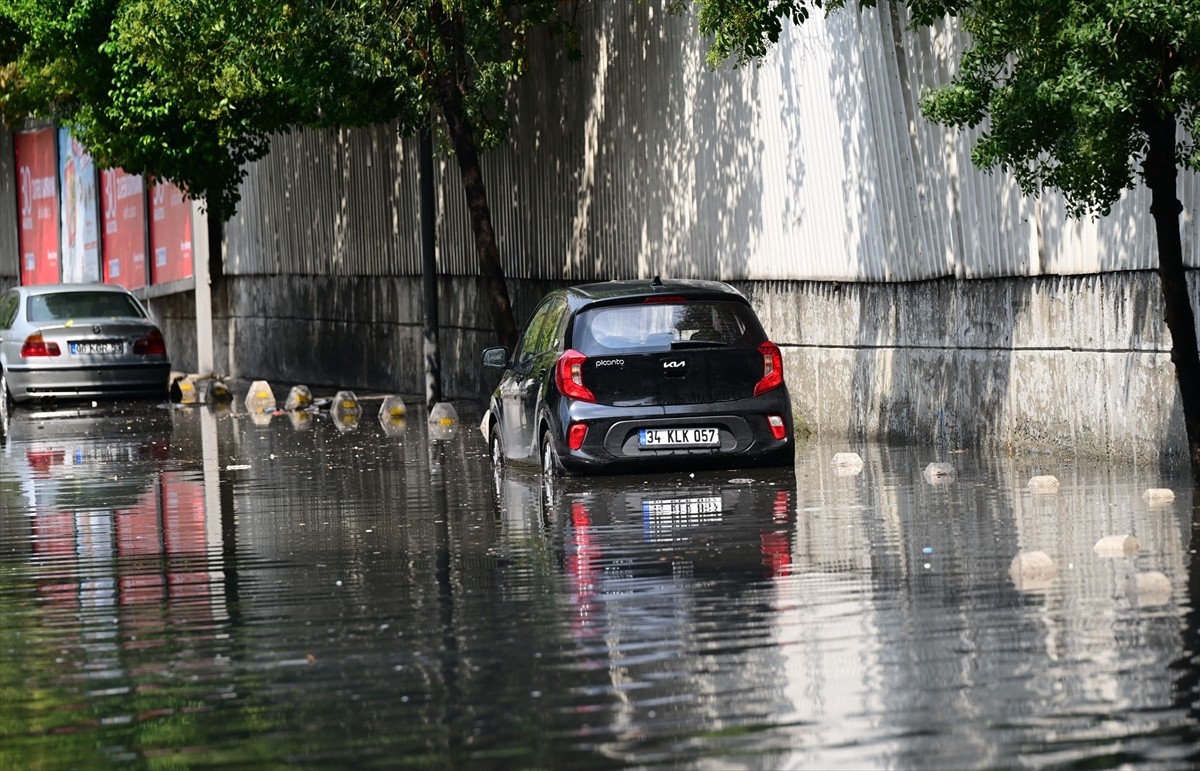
(550,463)
(6,402)
(497,445)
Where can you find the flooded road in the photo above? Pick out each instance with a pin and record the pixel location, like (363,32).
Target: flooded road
(184,587)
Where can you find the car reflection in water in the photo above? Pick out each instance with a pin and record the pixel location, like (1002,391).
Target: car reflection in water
(623,534)
(115,532)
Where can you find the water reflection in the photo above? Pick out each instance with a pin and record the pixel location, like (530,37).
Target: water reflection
(195,586)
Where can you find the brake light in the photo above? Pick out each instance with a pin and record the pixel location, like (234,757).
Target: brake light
(151,345)
(772,376)
(659,300)
(36,345)
(569,376)
(576,434)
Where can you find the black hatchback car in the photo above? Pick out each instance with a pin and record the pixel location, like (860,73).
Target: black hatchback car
(625,375)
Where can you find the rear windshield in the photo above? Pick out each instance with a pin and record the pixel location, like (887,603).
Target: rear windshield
(63,306)
(665,326)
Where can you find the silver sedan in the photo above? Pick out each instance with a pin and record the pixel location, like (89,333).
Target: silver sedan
(76,341)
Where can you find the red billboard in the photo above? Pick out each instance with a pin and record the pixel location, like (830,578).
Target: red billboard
(37,205)
(123,203)
(170,234)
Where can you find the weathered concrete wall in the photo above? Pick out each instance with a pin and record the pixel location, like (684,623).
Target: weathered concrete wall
(176,314)
(356,332)
(1069,364)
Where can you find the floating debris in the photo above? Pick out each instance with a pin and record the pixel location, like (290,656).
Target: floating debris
(1158,495)
(260,399)
(1032,571)
(1045,484)
(1117,546)
(847,464)
(299,398)
(393,415)
(183,390)
(218,392)
(1148,589)
(938,473)
(443,421)
(345,410)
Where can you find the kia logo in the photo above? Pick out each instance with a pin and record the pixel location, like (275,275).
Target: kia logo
(673,364)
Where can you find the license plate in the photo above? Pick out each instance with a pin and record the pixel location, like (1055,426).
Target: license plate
(91,349)
(679,437)
(681,507)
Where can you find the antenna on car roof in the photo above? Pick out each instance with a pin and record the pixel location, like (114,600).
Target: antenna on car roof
(657,282)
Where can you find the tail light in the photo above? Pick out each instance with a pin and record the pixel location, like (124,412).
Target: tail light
(151,345)
(772,376)
(36,345)
(569,376)
(576,434)
(778,428)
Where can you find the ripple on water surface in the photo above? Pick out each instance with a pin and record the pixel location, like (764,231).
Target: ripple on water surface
(182,584)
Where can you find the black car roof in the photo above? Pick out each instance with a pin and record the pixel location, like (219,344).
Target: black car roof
(632,290)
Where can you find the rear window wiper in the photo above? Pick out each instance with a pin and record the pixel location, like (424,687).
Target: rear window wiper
(676,344)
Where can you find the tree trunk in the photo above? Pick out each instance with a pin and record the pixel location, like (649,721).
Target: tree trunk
(1161,175)
(447,86)
(463,140)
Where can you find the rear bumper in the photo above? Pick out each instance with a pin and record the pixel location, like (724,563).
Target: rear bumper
(746,440)
(31,383)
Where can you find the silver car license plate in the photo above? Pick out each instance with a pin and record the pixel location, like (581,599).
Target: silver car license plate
(92,349)
(678,437)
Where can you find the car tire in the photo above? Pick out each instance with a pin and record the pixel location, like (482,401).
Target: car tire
(496,445)
(6,402)
(551,466)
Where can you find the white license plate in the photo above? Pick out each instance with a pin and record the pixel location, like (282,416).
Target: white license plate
(92,349)
(679,437)
(681,507)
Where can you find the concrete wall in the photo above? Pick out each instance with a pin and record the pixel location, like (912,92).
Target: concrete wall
(1063,364)
(360,333)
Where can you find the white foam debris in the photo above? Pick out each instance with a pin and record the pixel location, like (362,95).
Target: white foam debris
(939,472)
(1117,546)
(1148,589)
(847,464)
(1158,495)
(1032,570)
(1044,484)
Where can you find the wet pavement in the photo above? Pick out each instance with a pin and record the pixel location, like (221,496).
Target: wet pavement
(188,586)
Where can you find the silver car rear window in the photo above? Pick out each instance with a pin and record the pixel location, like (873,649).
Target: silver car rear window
(62,306)
(657,326)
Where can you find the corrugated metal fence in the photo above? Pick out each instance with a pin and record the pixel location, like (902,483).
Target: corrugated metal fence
(639,160)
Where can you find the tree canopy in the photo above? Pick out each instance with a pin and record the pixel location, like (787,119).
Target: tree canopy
(189,90)
(1063,89)
(192,90)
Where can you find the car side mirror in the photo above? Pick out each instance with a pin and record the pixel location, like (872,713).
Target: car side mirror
(497,358)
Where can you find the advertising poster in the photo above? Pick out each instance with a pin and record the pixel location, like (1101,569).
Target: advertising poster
(37,206)
(123,203)
(170,234)
(80,243)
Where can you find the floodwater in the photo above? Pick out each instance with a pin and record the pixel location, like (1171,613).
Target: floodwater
(184,587)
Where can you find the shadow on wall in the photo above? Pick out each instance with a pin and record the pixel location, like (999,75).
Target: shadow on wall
(629,162)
